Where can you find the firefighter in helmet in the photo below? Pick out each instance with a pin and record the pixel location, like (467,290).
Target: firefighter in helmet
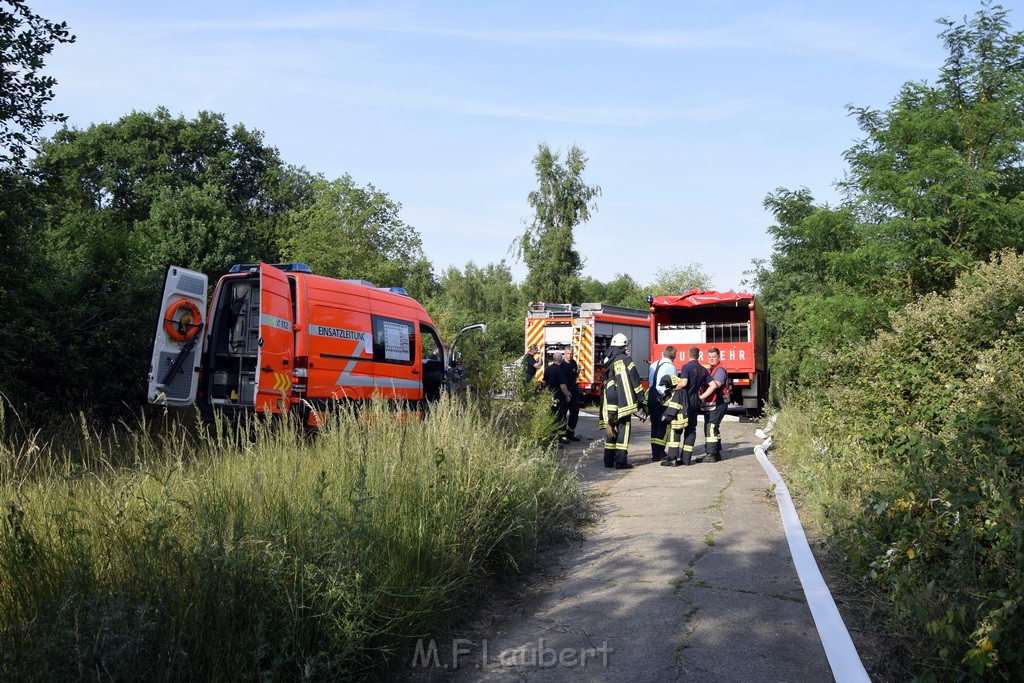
(622,395)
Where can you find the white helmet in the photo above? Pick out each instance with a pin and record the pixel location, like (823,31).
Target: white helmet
(619,340)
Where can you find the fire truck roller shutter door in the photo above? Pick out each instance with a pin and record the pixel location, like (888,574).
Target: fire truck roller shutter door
(558,334)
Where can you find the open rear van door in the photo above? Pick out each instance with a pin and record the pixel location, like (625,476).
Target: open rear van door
(178,341)
(276,343)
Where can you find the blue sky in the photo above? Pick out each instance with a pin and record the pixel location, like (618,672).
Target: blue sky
(690,111)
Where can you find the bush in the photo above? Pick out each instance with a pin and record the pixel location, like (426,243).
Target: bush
(916,450)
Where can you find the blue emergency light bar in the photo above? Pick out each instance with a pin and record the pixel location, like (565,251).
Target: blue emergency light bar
(286,267)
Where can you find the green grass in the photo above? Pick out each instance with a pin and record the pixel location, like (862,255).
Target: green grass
(164,553)
(826,483)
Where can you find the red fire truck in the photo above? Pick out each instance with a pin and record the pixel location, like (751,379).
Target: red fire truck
(734,323)
(589,329)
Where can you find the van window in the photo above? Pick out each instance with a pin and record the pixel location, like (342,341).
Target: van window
(393,341)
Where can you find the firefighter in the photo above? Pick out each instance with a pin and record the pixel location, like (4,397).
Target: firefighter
(555,381)
(696,376)
(674,419)
(692,377)
(714,404)
(659,393)
(529,363)
(572,374)
(622,395)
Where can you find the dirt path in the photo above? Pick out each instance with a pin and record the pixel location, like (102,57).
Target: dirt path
(686,576)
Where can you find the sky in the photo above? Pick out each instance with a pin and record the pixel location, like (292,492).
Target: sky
(690,112)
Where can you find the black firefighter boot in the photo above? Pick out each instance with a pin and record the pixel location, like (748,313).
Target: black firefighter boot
(713,452)
(609,457)
(620,461)
(657,453)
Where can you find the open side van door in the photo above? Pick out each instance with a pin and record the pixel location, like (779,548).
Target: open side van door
(178,340)
(276,342)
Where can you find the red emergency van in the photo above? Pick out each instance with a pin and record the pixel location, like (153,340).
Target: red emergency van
(277,338)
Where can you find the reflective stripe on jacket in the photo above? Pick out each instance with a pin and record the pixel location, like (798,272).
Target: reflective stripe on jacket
(622,389)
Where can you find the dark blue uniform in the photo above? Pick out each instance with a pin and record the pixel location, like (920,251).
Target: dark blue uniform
(554,378)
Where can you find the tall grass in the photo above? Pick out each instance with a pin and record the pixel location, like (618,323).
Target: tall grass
(178,555)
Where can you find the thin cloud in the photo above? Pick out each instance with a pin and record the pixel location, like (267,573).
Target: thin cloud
(595,115)
(697,108)
(782,33)
(775,31)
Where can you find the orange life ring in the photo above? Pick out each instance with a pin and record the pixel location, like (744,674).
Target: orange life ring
(182,320)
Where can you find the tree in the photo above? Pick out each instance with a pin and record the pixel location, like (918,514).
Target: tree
(197,192)
(561,202)
(117,203)
(356,233)
(476,294)
(936,185)
(22,268)
(812,244)
(25,41)
(939,177)
(679,280)
(822,288)
(622,290)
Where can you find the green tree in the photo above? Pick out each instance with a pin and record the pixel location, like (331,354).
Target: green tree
(561,203)
(22,269)
(934,187)
(938,178)
(622,290)
(356,233)
(821,290)
(476,294)
(25,40)
(679,280)
(119,202)
(196,193)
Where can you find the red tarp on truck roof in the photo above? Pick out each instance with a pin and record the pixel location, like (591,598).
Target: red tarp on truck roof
(695,297)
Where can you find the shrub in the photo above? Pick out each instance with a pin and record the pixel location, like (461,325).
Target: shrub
(917,446)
